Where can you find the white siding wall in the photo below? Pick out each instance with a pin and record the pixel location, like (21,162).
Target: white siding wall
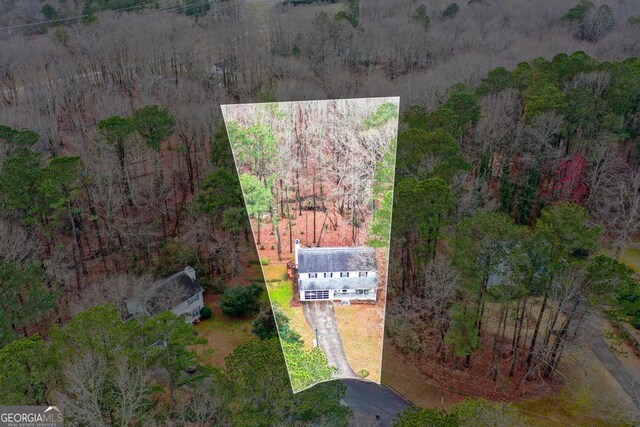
(336,274)
(350,294)
(192,310)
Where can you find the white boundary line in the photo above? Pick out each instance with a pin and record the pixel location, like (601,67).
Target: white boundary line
(396,101)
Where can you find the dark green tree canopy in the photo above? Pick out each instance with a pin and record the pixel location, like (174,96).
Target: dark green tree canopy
(153,123)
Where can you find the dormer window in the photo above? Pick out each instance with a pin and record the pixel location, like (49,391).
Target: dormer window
(344,274)
(363,274)
(313,275)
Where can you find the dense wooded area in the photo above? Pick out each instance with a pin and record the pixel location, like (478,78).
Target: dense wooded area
(320,173)
(521,181)
(115,163)
(333,158)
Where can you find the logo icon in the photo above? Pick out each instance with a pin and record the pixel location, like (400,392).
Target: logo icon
(30,416)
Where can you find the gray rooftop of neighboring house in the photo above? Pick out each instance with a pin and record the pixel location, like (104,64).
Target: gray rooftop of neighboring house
(169,293)
(319,260)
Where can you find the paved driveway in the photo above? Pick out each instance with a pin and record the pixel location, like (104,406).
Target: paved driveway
(367,399)
(629,381)
(321,318)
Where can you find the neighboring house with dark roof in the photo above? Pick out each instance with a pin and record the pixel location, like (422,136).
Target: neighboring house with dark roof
(345,273)
(179,293)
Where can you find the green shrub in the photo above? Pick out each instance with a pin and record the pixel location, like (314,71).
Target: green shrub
(265,261)
(421,17)
(635,321)
(450,11)
(404,337)
(241,301)
(363,373)
(579,11)
(286,333)
(415,416)
(306,366)
(205,312)
(264,325)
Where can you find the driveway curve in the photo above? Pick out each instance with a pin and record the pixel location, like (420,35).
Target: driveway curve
(322,320)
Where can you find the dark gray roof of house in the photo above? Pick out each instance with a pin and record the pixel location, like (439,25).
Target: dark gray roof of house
(370,282)
(319,260)
(169,293)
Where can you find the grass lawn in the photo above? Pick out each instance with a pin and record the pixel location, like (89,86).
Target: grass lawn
(360,329)
(280,294)
(576,405)
(629,256)
(274,272)
(224,335)
(592,396)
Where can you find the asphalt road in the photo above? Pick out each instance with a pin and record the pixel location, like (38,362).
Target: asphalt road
(321,318)
(367,399)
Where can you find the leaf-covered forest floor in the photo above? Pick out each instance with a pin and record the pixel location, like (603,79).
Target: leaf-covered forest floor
(588,393)
(463,381)
(586,396)
(331,230)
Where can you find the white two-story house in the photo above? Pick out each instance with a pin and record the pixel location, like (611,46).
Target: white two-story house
(179,293)
(343,273)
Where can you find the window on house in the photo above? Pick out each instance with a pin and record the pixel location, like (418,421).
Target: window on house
(363,274)
(344,274)
(321,294)
(313,275)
